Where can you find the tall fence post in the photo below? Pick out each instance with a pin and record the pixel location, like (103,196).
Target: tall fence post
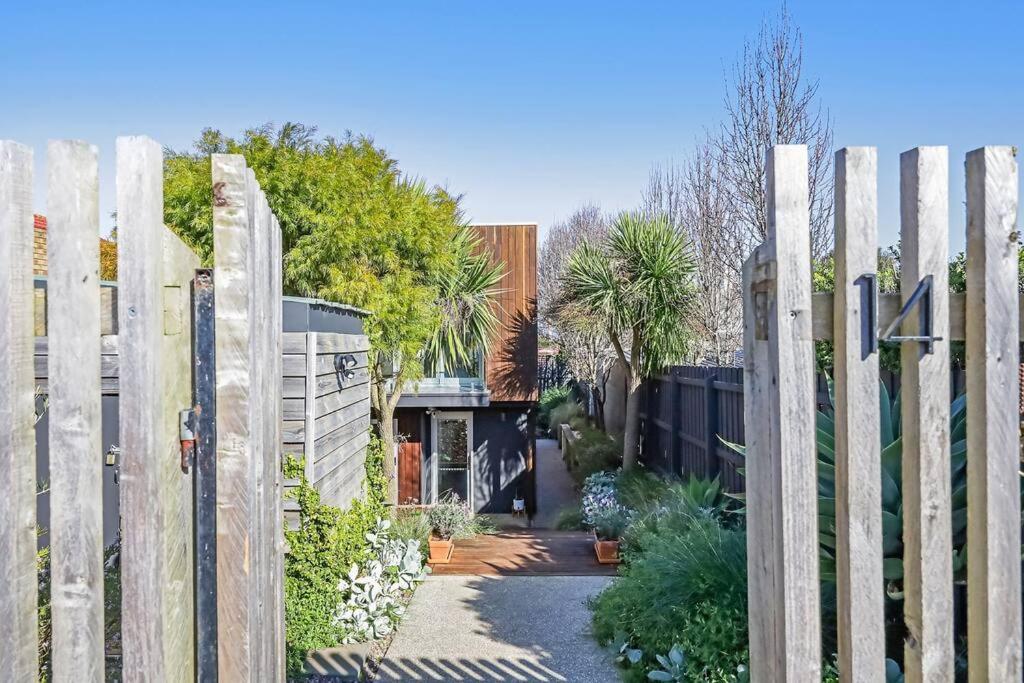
(861,613)
(76,466)
(676,420)
(235,469)
(275,331)
(993,436)
(782,538)
(927,565)
(711,426)
(19,639)
(249,519)
(155,272)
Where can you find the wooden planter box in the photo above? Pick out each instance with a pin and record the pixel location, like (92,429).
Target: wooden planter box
(607,552)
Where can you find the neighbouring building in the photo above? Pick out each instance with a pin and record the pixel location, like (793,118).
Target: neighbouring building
(474,433)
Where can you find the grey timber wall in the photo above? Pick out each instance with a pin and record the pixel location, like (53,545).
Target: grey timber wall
(339,433)
(327,411)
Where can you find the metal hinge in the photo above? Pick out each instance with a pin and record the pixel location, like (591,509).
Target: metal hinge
(187,434)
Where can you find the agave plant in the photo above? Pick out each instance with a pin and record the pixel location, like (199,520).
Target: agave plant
(892,488)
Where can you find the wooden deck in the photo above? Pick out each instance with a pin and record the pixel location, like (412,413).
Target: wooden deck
(526,552)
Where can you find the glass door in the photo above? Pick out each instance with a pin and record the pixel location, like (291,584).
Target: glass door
(453,439)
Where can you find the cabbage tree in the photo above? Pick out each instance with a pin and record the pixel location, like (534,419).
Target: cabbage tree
(637,283)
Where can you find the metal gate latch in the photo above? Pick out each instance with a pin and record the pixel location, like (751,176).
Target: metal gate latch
(186,431)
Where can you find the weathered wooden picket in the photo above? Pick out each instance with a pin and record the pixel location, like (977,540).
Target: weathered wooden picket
(155,361)
(782,491)
(250,536)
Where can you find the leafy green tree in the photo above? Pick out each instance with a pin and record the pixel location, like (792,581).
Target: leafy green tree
(354,229)
(638,283)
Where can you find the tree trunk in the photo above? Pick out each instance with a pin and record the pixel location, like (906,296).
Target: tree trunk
(385,409)
(631,437)
(598,392)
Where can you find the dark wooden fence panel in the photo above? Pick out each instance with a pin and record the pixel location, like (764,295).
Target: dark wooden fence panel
(687,413)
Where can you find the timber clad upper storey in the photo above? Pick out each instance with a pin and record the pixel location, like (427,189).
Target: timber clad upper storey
(511,367)
(472,433)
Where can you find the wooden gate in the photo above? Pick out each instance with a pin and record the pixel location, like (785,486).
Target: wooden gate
(155,357)
(782,318)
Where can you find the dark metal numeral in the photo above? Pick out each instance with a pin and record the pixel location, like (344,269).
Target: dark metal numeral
(922,298)
(868,284)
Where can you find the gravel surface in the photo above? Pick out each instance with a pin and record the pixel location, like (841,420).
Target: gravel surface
(502,628)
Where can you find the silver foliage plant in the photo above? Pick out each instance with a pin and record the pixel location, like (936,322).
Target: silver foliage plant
(599,497)
(370,605)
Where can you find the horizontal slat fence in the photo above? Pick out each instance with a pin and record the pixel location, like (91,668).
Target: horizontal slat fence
(326,414)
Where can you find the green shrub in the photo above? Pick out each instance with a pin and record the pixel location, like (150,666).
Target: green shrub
(675,512)
(593,452)
(326,544)
(563,413)
(688,588)
(549,400)
(569,519)
(609,523)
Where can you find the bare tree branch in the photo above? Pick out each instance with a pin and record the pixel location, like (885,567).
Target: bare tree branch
(694,199)
(768,102)
(586,224)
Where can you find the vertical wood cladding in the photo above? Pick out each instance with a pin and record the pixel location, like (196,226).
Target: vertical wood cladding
(511,365)
(410,457)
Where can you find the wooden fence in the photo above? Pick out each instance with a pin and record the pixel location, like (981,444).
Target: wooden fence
(687,412)
(155,359)
(327,411)
(780,323)
(684,415)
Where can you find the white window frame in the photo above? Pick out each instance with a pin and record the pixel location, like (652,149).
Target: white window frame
(435,459)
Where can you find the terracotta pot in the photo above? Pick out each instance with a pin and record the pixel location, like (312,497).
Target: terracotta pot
(441,550)
(607,552)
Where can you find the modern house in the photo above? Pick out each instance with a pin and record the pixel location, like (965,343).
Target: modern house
(474,433)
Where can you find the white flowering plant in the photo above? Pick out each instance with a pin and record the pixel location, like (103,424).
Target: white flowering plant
(371,596)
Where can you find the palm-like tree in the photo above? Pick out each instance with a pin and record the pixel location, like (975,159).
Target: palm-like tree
(467,303)
(638,284)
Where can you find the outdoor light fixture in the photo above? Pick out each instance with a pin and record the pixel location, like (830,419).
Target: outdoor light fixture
(343,365)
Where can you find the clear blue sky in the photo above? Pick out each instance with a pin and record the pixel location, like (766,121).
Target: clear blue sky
(529,108)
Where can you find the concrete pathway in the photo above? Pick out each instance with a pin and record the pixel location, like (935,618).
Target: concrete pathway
(503,628)
(555,488)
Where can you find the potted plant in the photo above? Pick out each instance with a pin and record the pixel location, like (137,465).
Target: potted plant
(447,520)
(518,505)
(609,523)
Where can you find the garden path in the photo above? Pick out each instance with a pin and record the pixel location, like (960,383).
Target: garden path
(555,487)
(510,606)
(499,628)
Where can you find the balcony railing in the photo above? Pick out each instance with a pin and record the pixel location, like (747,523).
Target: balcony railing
(464,379)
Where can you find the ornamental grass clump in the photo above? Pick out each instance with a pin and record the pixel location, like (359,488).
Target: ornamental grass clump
(686,590)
